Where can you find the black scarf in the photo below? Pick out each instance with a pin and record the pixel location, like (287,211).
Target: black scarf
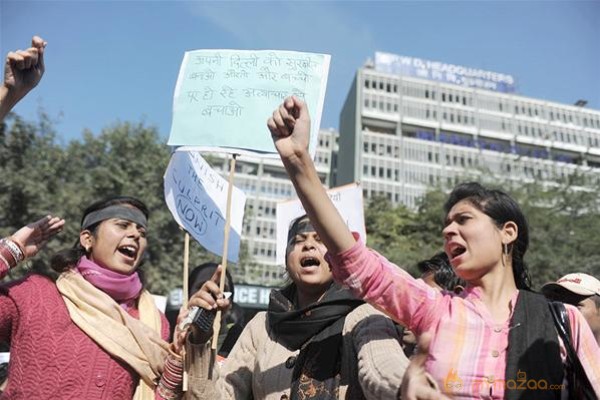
(533,351)
(317,331)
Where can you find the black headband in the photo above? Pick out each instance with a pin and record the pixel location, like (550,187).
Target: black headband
(117,211)
(300,225)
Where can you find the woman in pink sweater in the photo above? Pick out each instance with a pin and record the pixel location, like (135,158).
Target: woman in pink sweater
(95,333)
(496,339)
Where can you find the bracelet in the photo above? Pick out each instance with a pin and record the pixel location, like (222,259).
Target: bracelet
(4,266)
(15,249)
(21,249)
(169,386)
(7,256)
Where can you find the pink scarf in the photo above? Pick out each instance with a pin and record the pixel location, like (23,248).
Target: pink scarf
(120,287)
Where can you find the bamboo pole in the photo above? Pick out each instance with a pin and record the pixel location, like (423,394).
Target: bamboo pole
(217,323)
(185,295)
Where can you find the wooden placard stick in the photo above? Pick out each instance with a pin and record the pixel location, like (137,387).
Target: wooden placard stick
(185,295)
(217,323)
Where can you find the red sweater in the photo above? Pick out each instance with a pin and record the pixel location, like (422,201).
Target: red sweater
(50,357)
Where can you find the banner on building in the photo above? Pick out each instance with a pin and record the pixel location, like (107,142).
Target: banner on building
(443,72)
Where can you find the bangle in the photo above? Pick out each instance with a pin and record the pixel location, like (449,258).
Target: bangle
(21,249)
(15,249)
(169,386)
(7,256)
(4,266)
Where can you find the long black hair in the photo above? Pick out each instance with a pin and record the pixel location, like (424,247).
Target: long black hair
(501,208)
(443,273)
(66,259)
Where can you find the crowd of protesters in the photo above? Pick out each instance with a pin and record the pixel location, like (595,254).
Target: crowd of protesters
(345,326)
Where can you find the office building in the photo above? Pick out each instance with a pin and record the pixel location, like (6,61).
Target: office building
(408,124)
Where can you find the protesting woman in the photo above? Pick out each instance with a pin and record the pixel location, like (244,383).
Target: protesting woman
(496,331)
(316,341)
(95,333)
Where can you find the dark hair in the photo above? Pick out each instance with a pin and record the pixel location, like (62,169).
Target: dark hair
(501,208)
(65,259)
(298,225)
(443,273)
(204,272)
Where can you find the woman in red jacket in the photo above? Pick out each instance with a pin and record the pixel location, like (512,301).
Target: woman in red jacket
(95,333)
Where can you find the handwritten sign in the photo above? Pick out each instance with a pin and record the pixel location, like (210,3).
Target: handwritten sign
(197,197)
(223,98)
(348,200)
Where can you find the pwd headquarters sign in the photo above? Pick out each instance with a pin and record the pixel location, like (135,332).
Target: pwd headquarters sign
(439,71)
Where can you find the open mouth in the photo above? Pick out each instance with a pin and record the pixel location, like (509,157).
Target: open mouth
(128,251)
(310,262)
(456,250)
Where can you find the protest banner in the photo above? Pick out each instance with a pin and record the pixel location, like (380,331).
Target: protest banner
(223,98)
(197,197)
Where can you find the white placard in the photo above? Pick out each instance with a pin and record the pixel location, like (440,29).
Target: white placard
(223,97)
(197,197)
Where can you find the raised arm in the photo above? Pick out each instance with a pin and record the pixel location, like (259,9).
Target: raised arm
(22,72)
(369,275)
(290,130)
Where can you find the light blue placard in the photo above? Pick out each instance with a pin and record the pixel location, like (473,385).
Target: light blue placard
(223,98)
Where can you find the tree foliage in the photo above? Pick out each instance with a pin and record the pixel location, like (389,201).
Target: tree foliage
(40,176)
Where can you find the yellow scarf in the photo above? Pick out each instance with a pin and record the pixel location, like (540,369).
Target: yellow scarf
(136,342)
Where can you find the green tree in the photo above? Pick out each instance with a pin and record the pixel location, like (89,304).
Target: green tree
(404,236)
(41,177)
